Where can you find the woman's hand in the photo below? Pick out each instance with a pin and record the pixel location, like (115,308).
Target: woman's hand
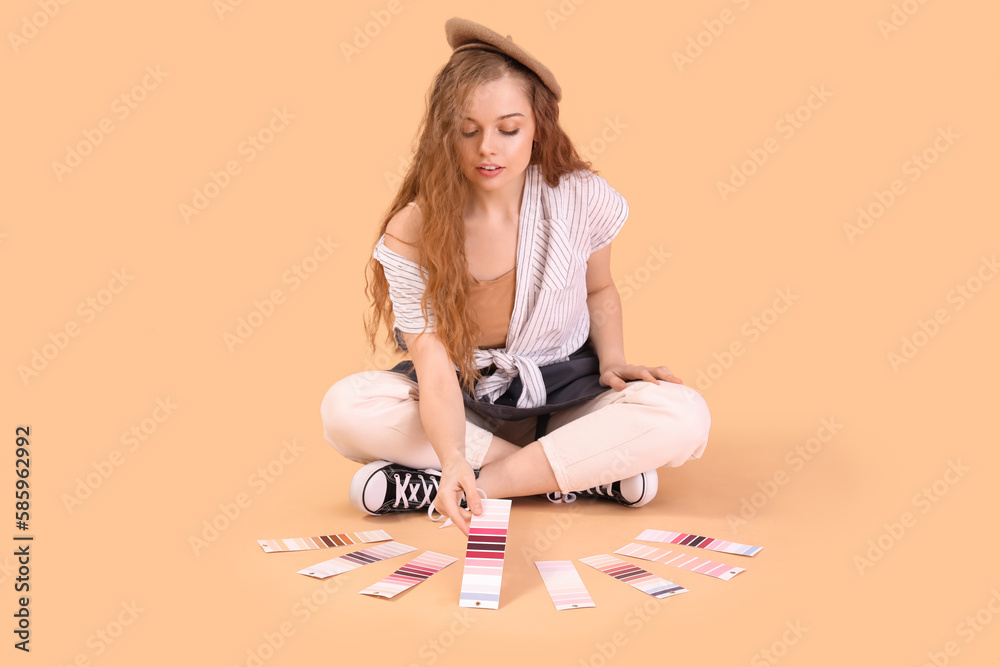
(615,376)
(457,477)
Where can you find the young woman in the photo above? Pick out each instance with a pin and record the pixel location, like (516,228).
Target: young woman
(494,264)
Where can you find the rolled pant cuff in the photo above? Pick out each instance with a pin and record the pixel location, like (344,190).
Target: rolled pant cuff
(557,464)
(477,442)
(577,471)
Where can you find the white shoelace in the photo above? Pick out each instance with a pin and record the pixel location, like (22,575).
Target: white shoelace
(559,497)
(403,487)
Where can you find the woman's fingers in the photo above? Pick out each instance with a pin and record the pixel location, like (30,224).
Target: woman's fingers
(472,498)
(446,499)
(453,511)
(669,376)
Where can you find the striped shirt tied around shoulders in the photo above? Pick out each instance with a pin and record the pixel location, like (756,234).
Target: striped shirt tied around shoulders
(558,230)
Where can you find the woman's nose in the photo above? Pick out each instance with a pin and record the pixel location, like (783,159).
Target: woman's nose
(486,145)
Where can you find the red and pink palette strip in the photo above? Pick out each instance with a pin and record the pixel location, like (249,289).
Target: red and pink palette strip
(684,561)
(564,584)
(636,577)
(322,541)
(355,559)
(710,543)
(484,555)
(411,574)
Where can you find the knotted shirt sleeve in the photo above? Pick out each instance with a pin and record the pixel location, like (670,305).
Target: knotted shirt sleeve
(406,287)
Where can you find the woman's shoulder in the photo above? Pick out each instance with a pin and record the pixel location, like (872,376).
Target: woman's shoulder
(580,180)
(403,230)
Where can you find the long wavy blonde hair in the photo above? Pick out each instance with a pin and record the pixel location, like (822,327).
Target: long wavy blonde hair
(435,180)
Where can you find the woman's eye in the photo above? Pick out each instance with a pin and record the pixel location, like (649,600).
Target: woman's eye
(511,133)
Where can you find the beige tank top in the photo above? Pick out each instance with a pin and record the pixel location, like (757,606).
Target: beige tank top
(492,303)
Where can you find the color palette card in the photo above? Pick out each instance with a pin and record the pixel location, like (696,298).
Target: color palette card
(484,555)
(687,540)
(411,574)
(348,562)
(322,541)
(564,584)
(685,561)
(636,577)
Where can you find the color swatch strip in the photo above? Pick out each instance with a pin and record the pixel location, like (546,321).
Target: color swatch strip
(348,562)
(564,584)
(685,561)
(484,555)
(411,574)
(636,577)
(322,541)
(711,543)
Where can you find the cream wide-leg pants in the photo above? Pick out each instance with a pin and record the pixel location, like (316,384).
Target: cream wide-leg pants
(374,415)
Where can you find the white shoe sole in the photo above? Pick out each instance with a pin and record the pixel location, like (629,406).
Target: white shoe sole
(651,483)
(359,482)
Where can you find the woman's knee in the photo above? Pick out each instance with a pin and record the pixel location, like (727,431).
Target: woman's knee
(686,419)
(341,411)
(698,419)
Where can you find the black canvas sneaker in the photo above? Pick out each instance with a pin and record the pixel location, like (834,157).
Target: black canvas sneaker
(633,491)
(382,487)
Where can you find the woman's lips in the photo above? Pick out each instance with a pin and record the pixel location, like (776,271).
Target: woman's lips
(489,172)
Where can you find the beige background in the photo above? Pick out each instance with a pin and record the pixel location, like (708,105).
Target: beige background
(329,174)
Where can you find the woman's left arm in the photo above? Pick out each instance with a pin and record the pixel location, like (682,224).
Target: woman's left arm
(606,329)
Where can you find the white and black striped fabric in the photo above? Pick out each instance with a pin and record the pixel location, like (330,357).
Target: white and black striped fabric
(559,228)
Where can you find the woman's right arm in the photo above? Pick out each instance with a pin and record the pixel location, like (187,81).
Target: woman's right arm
(442,413)
(442,409)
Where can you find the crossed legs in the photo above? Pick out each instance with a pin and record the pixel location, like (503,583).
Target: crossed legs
(374,415)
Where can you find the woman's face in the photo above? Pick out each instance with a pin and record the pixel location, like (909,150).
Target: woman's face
(496,129)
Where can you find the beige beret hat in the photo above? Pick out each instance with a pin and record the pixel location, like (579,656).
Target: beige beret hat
(465,34)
